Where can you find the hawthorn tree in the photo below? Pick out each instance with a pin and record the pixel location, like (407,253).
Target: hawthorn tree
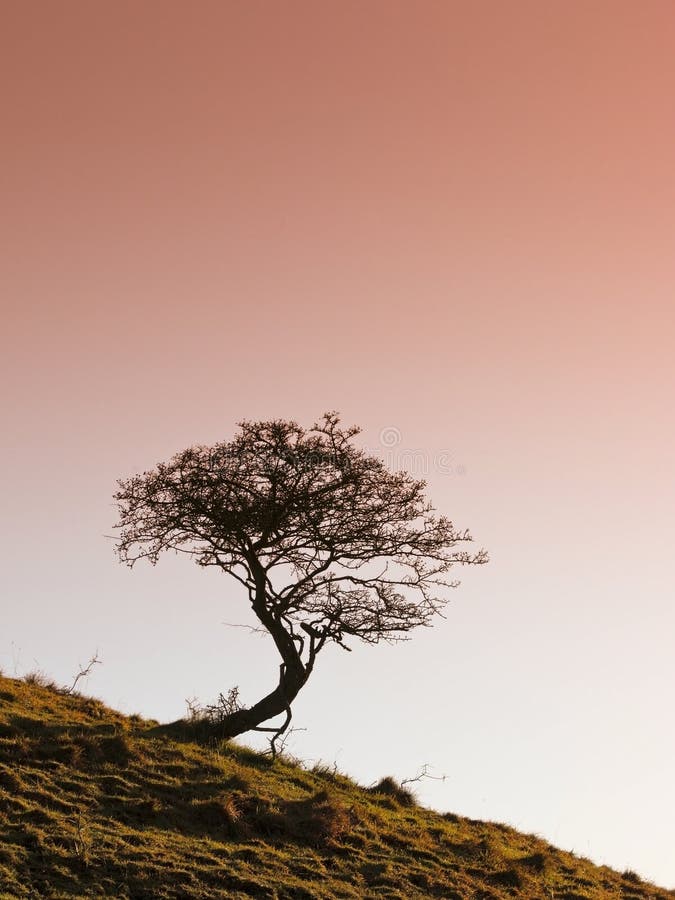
(327,543)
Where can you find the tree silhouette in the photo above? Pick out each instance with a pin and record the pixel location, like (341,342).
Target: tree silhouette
(326,541)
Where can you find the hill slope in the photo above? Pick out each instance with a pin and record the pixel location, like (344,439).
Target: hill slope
(96,804)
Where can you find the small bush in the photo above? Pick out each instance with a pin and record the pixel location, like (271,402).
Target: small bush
(262,816)
(389,787)
(93,708)
(116,749)
(631,876)
(320,820)
(88,749)
(536,861)
(323,770)
(510,878)
(39,679)
(219,813)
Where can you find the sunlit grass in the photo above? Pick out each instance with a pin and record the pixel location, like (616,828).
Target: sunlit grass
(97,804)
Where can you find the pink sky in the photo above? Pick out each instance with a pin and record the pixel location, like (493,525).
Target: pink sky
(452,219)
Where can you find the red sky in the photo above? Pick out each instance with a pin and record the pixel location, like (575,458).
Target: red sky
(452,219)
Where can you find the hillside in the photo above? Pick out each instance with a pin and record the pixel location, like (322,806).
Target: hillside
(96,804)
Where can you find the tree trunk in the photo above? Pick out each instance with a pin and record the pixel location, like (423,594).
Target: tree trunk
(292,676)
(274,704)
(293,672)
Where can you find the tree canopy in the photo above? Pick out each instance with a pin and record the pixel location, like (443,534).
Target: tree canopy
(327,543)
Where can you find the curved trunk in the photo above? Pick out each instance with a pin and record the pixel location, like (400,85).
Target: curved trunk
(274,704)
(293,673)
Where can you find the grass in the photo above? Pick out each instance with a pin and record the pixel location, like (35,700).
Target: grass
(97,804)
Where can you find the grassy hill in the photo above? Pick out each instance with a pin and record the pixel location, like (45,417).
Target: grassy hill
(97,804)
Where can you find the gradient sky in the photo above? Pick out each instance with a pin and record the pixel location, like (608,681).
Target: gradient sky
(455,220)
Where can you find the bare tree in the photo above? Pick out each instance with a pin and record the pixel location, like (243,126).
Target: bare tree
(327,543)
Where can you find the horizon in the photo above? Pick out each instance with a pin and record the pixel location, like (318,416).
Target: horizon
(452,223)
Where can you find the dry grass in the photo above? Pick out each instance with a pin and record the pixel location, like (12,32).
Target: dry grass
(95,804)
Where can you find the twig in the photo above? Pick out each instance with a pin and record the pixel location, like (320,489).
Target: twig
(94,661)
(263,632)
(423,773)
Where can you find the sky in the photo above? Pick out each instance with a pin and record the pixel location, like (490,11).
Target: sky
(454,223)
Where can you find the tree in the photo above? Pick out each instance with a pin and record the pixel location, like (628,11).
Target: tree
(327,543)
